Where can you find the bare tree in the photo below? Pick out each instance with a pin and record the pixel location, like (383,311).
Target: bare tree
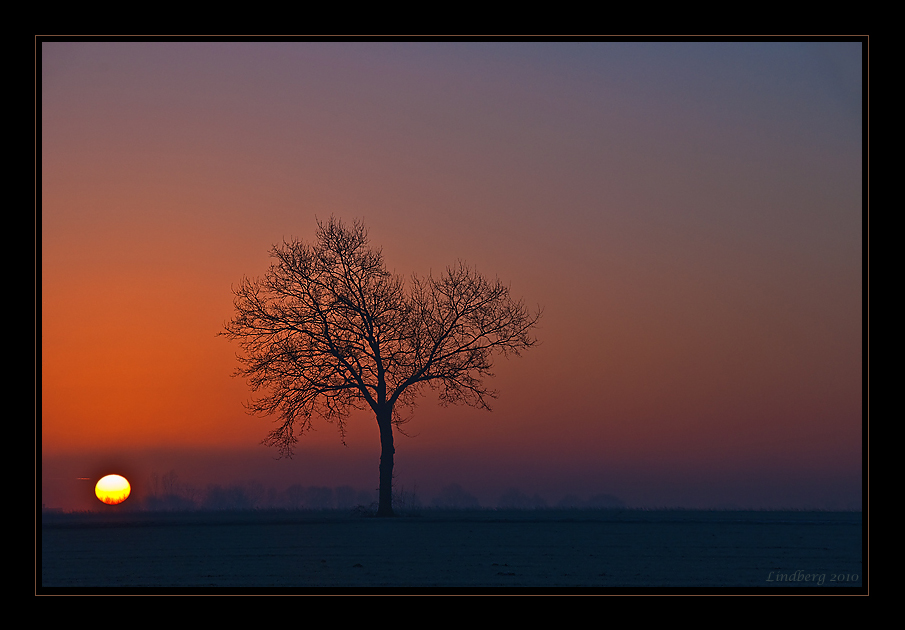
(328,330)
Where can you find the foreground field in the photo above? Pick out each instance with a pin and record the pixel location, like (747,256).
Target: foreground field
(467,549)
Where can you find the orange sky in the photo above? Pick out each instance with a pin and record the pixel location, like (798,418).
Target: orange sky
(689,216)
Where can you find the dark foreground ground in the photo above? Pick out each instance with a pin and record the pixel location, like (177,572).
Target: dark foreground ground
(471,550)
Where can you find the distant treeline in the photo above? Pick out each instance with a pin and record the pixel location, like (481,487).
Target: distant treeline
(455,497)
(167,493)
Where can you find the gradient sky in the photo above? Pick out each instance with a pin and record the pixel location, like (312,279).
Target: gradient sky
(689,215)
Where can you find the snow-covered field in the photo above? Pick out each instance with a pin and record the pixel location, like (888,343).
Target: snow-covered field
(537,549)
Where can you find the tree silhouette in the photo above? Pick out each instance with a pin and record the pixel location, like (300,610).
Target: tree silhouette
(328,330)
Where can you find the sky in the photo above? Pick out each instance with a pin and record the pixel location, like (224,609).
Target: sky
(688,215)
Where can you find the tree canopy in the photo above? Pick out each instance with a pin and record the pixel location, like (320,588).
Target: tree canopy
(328,330)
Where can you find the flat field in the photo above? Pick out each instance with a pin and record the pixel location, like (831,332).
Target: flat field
(480,550)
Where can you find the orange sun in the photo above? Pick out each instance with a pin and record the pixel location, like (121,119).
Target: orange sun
(113,489)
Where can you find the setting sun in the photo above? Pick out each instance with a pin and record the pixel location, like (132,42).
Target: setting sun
(112,489)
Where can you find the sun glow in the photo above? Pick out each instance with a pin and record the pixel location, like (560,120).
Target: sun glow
(112,489)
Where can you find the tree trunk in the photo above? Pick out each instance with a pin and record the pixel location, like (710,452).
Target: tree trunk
(385,424)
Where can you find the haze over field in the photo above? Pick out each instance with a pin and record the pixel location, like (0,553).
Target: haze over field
(689,216)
